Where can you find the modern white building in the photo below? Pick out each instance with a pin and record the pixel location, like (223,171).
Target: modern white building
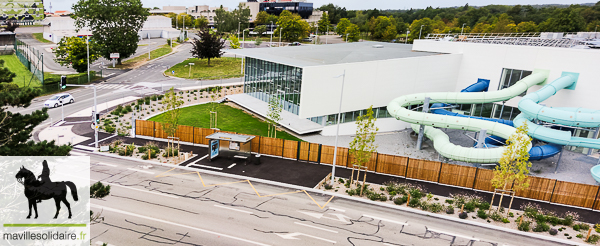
(205,11)
(55,28)
(307,78)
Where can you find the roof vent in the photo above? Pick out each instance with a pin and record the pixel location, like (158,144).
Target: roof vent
(378,46)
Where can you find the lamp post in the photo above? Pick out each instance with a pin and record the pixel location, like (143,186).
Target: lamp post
(271,41)
(87,42)
(420,31)
(243,38)
(337,132)
(347,37)
(406,39)
(596,30)
(280,31)
(239,23)
(463,27)
(317,37)
(327,34)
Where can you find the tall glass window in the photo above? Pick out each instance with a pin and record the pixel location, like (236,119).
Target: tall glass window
(264,80)
(511,76)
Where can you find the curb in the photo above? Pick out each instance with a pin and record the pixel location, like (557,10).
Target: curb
(342,196)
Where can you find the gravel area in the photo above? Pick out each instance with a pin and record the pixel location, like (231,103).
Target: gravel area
(574,167)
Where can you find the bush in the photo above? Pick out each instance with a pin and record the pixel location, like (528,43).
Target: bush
(541,226)
(328,186)
(597,227)
(553,220)
(481,214)
(416,193)
(463,215)
(142,149)
(128,109)
(505,220)
(576,227)
(553,231)
(510,214)
(584,226)
(400,200)
(171,152)
(351,192)
(496,216)
(524,226)
(110,129)
(449,201)
(450,210)
(484,206)
(569,218)
(382,198)
(540,218)
(381,188)
(424,206)
(436,207)
(470,207)
(593,239)
(579,235)
(413,202)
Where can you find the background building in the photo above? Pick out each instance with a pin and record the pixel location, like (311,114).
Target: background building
(169,9)
(275,7)
(205,11)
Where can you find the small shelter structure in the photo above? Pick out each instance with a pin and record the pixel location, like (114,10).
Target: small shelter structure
(230,145)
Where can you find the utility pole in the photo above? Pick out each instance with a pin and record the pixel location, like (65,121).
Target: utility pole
(280,31)
(406,40)
(271,41)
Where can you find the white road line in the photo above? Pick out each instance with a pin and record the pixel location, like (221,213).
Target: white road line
(147,191)
(106,164)
(382,219)
(176,224)
(232,165)
(104,139)
(142,171)
(338,209)
(110,74)
(216,168)
(239,210)
(203,157)
(77,153)
(316,227)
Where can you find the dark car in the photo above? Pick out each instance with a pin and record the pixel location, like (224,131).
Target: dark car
(294,44)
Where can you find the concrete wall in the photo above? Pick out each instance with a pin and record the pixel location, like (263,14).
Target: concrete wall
(374,83)
(157,22)
(488,60)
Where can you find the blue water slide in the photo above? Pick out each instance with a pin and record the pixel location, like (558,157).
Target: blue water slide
(536,153)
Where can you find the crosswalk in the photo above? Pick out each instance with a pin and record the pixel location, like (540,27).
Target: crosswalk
(137,88)
(114,86)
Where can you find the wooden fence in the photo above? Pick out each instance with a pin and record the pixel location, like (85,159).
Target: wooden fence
(543,189)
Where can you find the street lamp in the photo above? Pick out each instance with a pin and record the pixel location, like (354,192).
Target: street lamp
(239,23)
(463,27)
(271,41)
(190,72)
(337,132)
(420,31)
(280,31)
(87,42)
(327,34)
(596,30)
(406,40)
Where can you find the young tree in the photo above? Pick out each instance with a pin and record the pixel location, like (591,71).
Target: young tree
(363,145)
(201,22)
(342,25)
(291,26)
(353,32)
(114,23)
(99,191)
(324,22)
(208,46)
(261,18)
(72,51)
(274,116)
(234,42)
(171,106)
(259,30)
(16,128)
(514,165)
(214,106)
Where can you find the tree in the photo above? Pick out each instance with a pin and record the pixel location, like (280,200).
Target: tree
(383,28)
(201,22)
(11,27)
(363,145)
(184,20)
(214,106)
(514,165)
(274,115)
(415,27)
(72,51)
(208,46)
(335,13)
(171,107)
(527,26)
(324,22)
(114,24)
(259,30)
(564,20)
(291,26)
(16,128)
(342,25)
(99,191)
(261,17)
(353,32)
(223,20)
(234,42)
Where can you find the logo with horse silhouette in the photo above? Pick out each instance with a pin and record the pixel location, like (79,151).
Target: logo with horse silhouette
(41,188)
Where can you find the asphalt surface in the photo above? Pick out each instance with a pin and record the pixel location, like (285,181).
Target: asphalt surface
(155,206)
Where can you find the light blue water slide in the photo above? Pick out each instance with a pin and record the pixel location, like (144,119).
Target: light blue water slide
(536,153)
(574,117)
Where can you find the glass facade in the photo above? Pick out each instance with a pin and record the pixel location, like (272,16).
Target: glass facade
(346,117)
(264,80)
(511,76)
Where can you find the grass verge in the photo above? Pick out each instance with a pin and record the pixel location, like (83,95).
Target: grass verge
(161,51)
(23,75)
(40,37)
(226,67)
(229,119)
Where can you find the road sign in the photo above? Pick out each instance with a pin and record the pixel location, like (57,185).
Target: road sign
(173,72)
(191,64)
(114,55)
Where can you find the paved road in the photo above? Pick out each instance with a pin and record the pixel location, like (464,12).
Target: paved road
(156,207)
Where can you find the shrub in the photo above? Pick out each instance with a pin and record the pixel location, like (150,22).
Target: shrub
(416,193)
(424,206)
(373,196)
(450,210)
(171,152)
(470,207)
(569,218)
(505,220)
(481,214)
(110,129)
(579,235)
(531,210)
(593,239)
(524,226)
(351,192)
(341,180)
(381,188)
(463,215)
(449,201)
(541,226)
(510,214)
(382,198)
(147,100)
(128,109)
(553,231)
(142,149)
(392,193)
(495,216)
(327,186)
(540,218)
(413,202)
(436,207)
(576,227)
(553,220)
(195,98)
(566,234)
(597,227)
(584,226)
(484,206)
(429,196)
(400,200)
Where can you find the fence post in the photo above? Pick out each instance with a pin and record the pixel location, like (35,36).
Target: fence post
(154,129)
(298,151)
(376,160)
(440,172)
(319,154)
(475,178)
(347,157)
(282,147)
(308,152)
(552,195)
(259,138)
(194,137)
(595,198)
(406,168)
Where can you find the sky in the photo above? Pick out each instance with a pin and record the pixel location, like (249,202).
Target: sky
(349,4)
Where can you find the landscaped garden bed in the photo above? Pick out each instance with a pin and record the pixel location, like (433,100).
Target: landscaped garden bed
(149,151)
(530,217)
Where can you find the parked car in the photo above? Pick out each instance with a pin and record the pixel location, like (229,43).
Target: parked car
(55,100)
(294,44)
(307,40)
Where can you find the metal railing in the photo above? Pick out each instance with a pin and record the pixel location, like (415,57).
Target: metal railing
(527,39)
(31,58)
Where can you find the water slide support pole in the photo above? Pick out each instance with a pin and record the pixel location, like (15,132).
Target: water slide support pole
(480,141)
(422,129)
(562,149)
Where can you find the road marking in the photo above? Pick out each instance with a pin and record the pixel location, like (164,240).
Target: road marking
(316,227)
(104,139)
(176,224)
(203,157)
(147,191)
(77,153)
(340,217)
(239,210)
(338,209)
(142,171)
(198,165)
(106,164)
(295,234)
(102,243)
(232,165)
(382,219)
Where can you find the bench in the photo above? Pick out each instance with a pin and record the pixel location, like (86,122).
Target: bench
(240,157)
(436,232)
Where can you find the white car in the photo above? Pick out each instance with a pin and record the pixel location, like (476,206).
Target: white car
(55,100)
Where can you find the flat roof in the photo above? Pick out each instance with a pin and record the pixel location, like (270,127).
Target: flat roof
(315,55)
(230,137)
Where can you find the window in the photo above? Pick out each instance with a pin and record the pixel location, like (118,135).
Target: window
(502,111)
(512,76)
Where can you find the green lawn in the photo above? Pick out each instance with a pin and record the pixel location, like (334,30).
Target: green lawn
(23,75)
(229,119)
(40,37)
(161,51)
(226,67)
